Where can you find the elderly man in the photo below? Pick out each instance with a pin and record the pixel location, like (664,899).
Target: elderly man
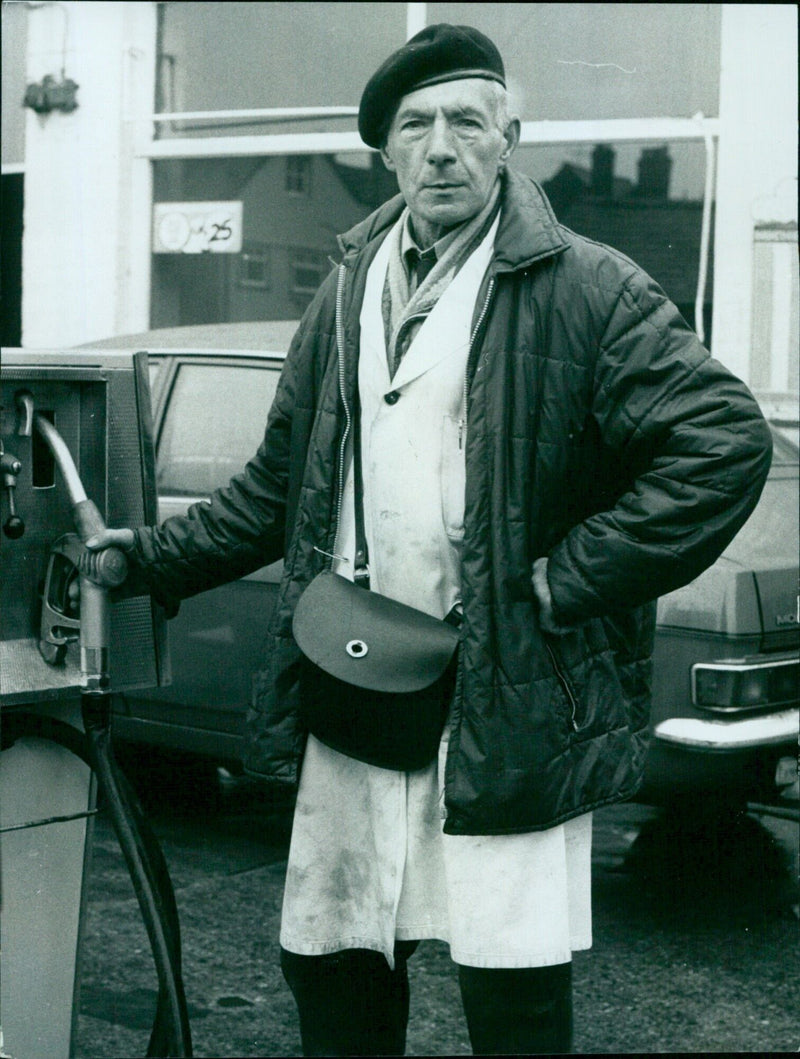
(545,448)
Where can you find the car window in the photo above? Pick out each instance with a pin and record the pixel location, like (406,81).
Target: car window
(214,423)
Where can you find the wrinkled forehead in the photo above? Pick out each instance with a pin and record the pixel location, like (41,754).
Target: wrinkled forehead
(469,93)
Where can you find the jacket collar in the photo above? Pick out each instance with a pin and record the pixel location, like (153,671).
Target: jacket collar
(528,230)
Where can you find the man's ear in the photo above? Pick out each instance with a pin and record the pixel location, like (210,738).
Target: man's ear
(387,160)
(511,136)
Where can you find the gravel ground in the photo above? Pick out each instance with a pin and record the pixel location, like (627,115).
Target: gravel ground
(695,923)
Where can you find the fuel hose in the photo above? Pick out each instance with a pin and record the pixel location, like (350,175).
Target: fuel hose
(171,1034)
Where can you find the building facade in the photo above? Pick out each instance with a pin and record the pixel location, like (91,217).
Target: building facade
(169,163)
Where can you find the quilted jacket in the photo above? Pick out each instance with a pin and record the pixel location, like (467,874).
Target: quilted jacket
(601,435)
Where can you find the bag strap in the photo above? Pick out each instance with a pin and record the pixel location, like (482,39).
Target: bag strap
(361,561)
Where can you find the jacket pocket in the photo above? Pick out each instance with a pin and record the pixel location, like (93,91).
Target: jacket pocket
(585,667)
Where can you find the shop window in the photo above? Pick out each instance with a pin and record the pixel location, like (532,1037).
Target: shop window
(644,199)
(225,56)
(287,238)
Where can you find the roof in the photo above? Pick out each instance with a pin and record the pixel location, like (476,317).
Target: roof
(271,336)
(661,235)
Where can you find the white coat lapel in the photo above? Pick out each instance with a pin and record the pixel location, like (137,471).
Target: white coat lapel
(372,347)
(446,331)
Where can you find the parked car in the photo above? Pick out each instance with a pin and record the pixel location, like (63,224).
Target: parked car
(725,677)
(725,702)
(211,390)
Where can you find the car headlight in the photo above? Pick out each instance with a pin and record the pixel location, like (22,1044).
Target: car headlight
(745,685)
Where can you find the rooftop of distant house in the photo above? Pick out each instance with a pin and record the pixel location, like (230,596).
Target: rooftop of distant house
(660,234)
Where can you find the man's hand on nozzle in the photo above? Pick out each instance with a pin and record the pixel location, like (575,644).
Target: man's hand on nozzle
(111,538)
(106,564)
(541,589)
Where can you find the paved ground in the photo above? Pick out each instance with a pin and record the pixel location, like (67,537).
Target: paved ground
(696,935)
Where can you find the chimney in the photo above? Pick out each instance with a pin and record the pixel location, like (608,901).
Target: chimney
(603,171)
(655,165)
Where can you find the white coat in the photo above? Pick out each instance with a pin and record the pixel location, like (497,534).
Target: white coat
(368,861)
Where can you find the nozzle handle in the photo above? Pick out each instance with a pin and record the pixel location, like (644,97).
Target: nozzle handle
(107,568)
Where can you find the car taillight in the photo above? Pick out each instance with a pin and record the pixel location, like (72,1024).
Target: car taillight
(743,685)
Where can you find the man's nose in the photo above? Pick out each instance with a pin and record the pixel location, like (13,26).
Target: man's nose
(441,148)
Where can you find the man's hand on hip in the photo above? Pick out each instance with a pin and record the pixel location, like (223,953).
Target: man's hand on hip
(541,589)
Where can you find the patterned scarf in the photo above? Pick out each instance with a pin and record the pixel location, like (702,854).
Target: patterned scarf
(404,312)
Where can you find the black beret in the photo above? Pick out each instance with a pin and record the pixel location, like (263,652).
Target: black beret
(437,53)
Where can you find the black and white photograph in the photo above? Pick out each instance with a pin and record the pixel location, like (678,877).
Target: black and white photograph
(327,730)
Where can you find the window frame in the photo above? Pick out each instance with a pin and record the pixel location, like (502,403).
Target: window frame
(533,133)
(254,253)
(314,259)
(299,177)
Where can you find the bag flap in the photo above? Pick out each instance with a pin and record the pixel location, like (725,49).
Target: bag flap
(370,640)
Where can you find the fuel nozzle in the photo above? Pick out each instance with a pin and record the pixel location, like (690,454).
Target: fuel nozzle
(74,573)
(97,572)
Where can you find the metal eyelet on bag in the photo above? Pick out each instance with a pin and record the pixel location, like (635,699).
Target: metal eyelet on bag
(356,648)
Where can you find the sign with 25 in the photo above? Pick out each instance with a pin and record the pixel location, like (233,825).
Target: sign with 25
(197,228)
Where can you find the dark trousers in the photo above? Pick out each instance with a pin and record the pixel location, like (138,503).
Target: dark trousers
(351,1003)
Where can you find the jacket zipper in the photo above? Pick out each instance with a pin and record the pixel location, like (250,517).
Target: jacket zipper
(462,425)
(565,685)
(343,393)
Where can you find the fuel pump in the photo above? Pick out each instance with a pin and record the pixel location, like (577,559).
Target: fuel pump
(76,611)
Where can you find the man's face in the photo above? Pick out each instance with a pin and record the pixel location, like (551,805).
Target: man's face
(446,148)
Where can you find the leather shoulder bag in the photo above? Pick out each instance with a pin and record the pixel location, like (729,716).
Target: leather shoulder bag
(377,676)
